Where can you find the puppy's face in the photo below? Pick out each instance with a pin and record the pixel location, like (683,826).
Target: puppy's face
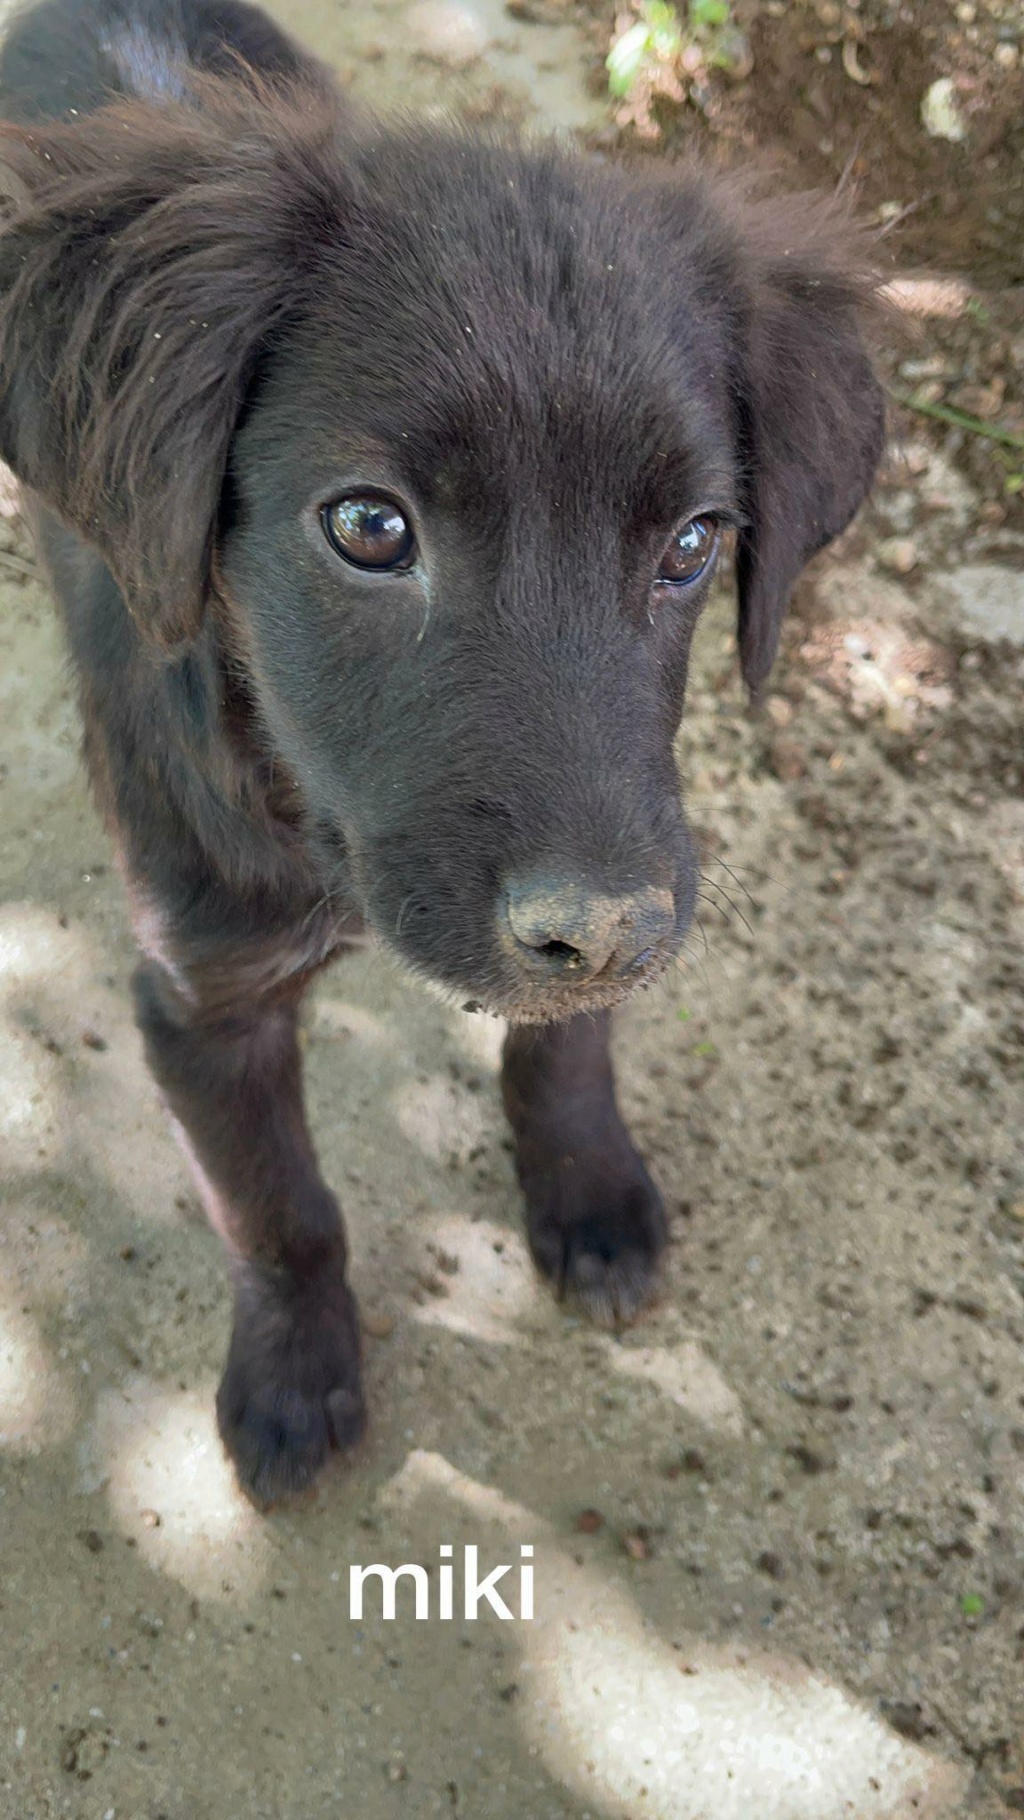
(473,515)
(495,426)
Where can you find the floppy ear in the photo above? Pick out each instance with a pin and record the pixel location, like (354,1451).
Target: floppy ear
(810,410)
(148,253)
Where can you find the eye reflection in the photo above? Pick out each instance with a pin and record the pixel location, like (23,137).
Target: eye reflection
(689,552)
(370,531)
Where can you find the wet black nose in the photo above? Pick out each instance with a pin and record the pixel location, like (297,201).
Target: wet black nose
(572,932)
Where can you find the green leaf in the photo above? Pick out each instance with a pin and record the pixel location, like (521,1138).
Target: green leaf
(683,1015)
(666,31)
(708,13)
(625,59)
(660,16)
(972,1605)
(946,413)
(1014,483)
(703,1049)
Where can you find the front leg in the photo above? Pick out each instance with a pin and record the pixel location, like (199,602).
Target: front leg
(229,1069)
(595,1220)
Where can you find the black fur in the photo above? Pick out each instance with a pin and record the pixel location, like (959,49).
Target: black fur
(226,299)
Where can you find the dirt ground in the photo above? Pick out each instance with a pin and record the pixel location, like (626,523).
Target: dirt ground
(779,1526)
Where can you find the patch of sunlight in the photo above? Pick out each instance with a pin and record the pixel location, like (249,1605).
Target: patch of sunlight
(33,945)
(686,1375)
(986,600)
(92,1111)
(26,1104)
(954,958)
(33,949)
(37,1399)
(116,1124)
(494,1294)
(339,1018)
(439,1116)
(42,1259)
(171,1488)
(947,298)
(630,1725)
(873,654)
(479,1036)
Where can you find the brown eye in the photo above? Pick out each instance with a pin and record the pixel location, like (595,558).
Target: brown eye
(369,531)
(690,551)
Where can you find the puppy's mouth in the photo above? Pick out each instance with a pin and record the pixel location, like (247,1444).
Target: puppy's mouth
(551,1005)
(556,1004)
(535,988)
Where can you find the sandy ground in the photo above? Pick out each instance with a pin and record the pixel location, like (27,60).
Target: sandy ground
(779,1526)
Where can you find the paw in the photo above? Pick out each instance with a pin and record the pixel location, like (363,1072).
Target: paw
(291,1387)
(597,1237)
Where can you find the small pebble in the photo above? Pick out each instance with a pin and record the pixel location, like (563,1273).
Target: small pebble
(768,1562)
(378,1326)
(429,1281)
(941,116)
(787,759)
(982,401)
(637,1545)
(930,393)
(779,710)
(931,366)
(907,1718)
(450,35)
(898,554)
(991,512)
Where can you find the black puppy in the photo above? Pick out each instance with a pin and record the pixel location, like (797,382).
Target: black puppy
(381,474)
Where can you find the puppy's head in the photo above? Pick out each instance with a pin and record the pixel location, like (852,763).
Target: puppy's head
(443,436)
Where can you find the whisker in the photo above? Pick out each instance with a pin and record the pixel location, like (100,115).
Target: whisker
(694,965)
(713,904)
(699,960)
(757,873)
(702,932)
(402,908)
(737,881)
(317,907)
(337,894)
(734,907)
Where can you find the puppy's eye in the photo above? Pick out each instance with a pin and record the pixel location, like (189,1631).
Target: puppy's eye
(690,551)
(369,531)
